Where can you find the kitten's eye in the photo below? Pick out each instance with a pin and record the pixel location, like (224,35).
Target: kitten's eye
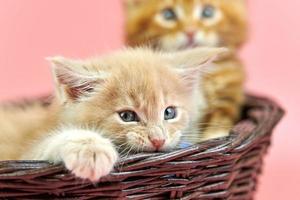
(169,14)
(170,113)
(129,116)
(208,12)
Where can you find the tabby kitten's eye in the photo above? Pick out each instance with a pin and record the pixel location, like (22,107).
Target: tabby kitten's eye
(208,12)
(169,14)
(170,113)
(129,116)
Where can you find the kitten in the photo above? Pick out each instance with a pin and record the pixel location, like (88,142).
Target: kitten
(135,99)
(172,25)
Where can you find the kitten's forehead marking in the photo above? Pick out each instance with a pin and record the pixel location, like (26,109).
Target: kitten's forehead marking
(184,10)
(179,10)
(153,105)
(197,10)
(194,10)
(147,103)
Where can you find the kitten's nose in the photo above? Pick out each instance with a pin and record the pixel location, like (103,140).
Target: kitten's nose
(190,35)
(157,143)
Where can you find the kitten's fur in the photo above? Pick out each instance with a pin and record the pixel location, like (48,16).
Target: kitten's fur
(82,127)
(146,25)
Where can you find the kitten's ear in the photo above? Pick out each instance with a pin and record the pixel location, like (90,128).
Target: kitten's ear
(190,78)
(196,57)
(73,80)
(190,64)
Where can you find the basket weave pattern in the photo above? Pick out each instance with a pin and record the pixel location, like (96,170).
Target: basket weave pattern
(225,168)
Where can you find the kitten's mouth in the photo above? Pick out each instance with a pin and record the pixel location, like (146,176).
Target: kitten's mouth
(189,45)
(153,149)
(193,44)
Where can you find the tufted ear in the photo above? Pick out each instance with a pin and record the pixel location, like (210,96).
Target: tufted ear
(196,57)
(190,64)
(73,80)
(190,78)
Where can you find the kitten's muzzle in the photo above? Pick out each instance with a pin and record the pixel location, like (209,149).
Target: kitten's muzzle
(157,137)
(190,36)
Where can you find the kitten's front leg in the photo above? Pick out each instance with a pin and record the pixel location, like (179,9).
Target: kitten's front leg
(85,153)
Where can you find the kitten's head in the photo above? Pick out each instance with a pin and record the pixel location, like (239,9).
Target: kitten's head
(138,98)
(180,24)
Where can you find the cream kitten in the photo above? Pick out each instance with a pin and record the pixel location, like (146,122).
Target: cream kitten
(136,99)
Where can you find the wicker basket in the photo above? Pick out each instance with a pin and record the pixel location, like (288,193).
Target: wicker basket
(225,168)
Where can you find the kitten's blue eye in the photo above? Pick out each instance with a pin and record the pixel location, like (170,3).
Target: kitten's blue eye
(169,14)
(170,113)
(208,12)
(129,116)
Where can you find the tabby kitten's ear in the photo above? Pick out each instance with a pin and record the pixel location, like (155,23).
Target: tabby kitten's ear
(73,80)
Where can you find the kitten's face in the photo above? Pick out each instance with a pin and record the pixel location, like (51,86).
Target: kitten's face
(143,105)
(137,98)
(180,24)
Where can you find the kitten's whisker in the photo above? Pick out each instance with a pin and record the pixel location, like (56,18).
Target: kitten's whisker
(128,152)
(124,150)
(121,146)
(126,147)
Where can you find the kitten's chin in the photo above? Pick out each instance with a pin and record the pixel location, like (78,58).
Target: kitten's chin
(189,46)
(195,45)
(183,45)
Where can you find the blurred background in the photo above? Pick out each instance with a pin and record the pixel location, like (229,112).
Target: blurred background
(32,30)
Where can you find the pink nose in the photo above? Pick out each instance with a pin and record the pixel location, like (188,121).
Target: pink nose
(190,35)
(157,143)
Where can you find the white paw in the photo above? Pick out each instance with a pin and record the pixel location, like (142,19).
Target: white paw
(88,155)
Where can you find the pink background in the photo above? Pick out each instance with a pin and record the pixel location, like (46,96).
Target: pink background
(31,30)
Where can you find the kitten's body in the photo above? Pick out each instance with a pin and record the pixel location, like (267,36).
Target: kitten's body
(19,126)
(171,25)
(136,99)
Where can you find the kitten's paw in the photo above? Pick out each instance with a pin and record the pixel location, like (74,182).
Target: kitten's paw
(89,156)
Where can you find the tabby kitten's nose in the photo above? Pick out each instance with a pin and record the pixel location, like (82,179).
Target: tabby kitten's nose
(157,143)
(190,35)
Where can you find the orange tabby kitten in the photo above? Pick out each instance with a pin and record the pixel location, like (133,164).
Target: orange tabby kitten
(179,24)
(137,98)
